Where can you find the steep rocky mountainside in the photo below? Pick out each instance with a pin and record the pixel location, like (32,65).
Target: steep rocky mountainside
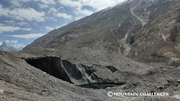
(144,30)
(86,59)
(4,47)
(158,40)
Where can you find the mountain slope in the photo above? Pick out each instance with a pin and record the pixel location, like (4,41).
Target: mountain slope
(4,47)
(158,41)
(88,53)
(109,18)
(97,35)
(122,29)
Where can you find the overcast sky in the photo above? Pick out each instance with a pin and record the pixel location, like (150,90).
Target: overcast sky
(23,21)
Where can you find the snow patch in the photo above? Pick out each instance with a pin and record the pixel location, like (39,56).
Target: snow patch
(1,91)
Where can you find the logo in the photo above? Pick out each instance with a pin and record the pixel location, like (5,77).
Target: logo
(110,94)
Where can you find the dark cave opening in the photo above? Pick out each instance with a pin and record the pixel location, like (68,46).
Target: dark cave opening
(68,72)
(51,66)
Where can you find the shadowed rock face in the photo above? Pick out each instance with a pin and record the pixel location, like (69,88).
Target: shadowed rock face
(81,75)
(56,67)
(113,69)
